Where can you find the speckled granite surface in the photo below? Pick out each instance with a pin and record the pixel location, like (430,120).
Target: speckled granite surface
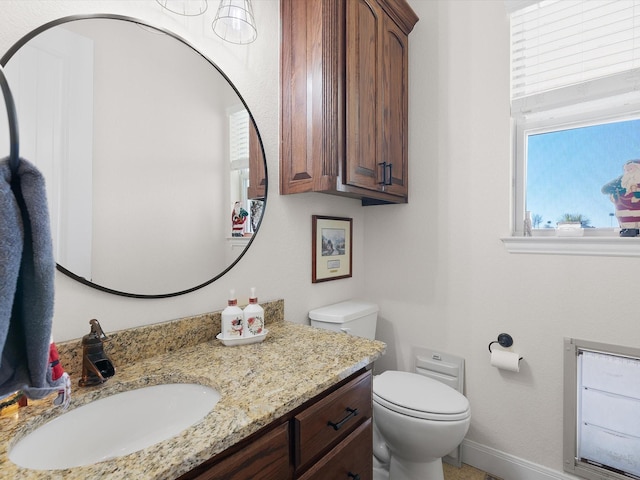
(132,345)
(258,384)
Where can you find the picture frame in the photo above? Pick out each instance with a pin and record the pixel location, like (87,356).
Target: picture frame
(331,249)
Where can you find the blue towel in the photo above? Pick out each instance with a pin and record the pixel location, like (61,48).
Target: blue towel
(27,271)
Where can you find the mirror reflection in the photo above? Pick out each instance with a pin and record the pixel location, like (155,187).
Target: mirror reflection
(155,170)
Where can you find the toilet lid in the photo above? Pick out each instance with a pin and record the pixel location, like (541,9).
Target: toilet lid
(419,396)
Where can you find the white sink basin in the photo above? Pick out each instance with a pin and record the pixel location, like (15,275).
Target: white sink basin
(114,426)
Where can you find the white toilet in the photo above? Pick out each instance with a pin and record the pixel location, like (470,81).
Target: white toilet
(417,420)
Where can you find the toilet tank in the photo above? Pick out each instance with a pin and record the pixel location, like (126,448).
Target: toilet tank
(355,317)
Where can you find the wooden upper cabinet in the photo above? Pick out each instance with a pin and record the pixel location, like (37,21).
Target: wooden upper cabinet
(344,67)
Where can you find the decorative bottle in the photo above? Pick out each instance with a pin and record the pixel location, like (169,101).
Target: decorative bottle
(253,316)
(231,318)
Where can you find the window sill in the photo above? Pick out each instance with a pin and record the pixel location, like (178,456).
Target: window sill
(595,246)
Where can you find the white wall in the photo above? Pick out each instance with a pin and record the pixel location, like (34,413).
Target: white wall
(444,279)
(162,199)
(436,266)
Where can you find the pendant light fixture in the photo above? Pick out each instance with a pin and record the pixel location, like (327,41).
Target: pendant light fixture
(234,22)
(186,8)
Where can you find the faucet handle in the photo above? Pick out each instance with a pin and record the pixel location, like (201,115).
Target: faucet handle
(96,330)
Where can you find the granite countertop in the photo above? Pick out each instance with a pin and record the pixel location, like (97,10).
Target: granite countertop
(258,384)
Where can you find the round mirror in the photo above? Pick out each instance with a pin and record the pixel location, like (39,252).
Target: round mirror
(155,170)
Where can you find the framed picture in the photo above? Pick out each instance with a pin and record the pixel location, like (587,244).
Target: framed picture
(331,248)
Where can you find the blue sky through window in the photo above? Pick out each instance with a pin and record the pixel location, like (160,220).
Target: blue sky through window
(566,170)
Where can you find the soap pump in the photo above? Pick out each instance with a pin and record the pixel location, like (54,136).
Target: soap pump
(231,318)
(253,316)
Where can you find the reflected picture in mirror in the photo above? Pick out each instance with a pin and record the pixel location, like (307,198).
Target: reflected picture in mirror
(146,147)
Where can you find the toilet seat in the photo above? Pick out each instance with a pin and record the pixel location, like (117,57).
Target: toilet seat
(419,396)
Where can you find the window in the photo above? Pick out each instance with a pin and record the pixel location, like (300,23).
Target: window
(575,104)
(239,159)
(573,173)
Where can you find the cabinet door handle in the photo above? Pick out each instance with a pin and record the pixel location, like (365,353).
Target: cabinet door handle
(336,426)
(386,173)
(355,476)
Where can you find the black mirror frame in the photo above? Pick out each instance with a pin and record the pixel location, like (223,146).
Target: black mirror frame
(20,43)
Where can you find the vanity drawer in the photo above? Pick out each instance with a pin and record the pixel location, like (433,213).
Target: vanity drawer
(352,458)
(266,458)
(328,421)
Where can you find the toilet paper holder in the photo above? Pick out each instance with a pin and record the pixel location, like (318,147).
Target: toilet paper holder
(504,340)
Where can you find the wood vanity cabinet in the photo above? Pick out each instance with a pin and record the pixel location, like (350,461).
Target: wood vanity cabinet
(329,437)
(344,89)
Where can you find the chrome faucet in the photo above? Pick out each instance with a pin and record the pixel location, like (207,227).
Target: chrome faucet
(97,367)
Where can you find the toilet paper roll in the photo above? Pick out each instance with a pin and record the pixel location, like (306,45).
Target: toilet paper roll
(505,360)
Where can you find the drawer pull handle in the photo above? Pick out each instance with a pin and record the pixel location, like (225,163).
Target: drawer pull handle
(352,413)
(355,476)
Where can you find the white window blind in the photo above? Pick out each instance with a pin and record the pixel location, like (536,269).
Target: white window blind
(569,51)
(239,139)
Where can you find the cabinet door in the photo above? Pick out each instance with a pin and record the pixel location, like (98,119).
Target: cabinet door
(266,458)
(352,458)
(309,117)
(394,104)
(363,93)
(377,100)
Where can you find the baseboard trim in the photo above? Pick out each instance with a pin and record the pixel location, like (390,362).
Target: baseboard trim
(505,466)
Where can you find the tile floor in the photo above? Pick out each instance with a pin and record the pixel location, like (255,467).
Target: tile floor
(467,472)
